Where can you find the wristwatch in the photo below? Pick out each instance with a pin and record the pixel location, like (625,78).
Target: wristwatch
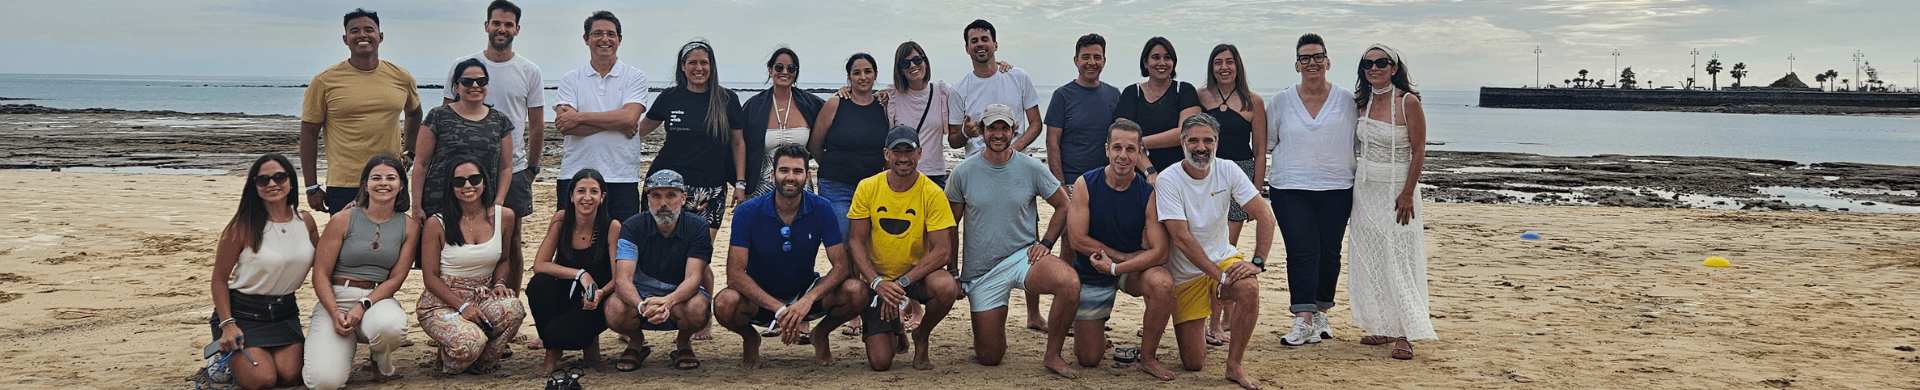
(366,303)
(1260,262)
(314,189)
(740,185)
(903,282)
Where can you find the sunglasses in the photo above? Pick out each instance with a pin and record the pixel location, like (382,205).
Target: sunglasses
(783,68)
(786,233)
(1381,63)
(264,180)
(474,82)
(916,60)
(474,179)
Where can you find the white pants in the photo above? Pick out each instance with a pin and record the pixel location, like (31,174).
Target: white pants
(330,356)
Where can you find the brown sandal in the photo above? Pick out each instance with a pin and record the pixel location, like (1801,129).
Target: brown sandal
(1402,353)
(1375,340)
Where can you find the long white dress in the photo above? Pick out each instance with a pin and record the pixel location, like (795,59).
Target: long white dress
(1387,276)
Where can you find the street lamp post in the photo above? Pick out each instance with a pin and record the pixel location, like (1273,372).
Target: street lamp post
(1536,67)
(1616,66)
(1857,55)
(1789,63)
(1696,68)
(1916,74)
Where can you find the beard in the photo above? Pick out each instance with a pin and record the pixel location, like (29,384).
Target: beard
(666,216)
(1200,159)
(795,193)
(497,44)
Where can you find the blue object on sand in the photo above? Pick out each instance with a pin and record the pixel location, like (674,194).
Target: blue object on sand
(1530,236)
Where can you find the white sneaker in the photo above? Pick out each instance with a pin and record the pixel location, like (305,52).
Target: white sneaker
(1303,333)
(1320,322)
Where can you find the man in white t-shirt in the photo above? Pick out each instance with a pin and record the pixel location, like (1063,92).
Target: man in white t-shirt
(984,86)
(1192,200)
(987,85)
(513,89)
(599,108)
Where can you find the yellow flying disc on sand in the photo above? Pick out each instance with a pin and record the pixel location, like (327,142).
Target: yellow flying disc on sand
(1717,262)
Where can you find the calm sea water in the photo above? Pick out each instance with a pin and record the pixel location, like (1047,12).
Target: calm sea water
(1453,117)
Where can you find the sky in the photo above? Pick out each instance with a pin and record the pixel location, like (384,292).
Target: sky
(1449,45)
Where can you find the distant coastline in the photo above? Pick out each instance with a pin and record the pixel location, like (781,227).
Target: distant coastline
(1750,101)
(438,86)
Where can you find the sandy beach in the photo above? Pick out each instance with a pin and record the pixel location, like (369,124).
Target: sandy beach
(104,285)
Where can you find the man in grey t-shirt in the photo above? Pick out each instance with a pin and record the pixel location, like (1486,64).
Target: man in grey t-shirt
(993,197)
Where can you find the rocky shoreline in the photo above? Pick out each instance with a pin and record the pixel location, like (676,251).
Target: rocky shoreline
(41,138)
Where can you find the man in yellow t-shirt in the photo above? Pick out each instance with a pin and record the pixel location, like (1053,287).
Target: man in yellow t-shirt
(902,237)
(356,105)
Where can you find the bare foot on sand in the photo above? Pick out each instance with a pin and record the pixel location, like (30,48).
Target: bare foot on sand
(1060,366)
(1152,366)
(704,334)
(1239,376)
(750,353)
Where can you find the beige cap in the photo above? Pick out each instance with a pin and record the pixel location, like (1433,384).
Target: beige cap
(1000,113)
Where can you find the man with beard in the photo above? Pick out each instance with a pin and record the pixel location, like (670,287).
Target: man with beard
(902,234)
(513,87)
(1192,201)
(771,281)
(986,85)
(657,272)
(355,104)
(993,194)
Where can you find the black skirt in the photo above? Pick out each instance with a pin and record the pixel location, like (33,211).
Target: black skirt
(264,334)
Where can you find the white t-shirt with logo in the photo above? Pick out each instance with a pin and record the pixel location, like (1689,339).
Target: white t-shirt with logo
(1203,204)
(973,94)
(512,86)
(611,152)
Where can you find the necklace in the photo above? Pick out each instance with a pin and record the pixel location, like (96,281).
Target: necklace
(783,111)
(1156,96)
(1378,91)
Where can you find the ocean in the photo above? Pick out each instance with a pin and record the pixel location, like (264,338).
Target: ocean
(1453,118)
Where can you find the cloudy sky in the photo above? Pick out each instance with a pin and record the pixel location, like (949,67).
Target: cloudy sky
(1449,44)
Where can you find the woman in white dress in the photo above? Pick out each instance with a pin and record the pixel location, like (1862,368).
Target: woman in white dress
(1387,283)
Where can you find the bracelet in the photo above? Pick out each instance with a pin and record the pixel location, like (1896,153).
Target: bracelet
(225,322)
(576,275)
(463,307)
(498,285)
(876,283)
(777,313)
(1113,268)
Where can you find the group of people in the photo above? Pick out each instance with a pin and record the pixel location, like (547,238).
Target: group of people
(629,250)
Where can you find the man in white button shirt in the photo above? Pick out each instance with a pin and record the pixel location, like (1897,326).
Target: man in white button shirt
(599,109)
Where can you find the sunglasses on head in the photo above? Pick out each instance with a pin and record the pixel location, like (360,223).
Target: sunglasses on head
(915,60)
(278,177)
(1381,63)
(784,68)
(474,82)
(474,179)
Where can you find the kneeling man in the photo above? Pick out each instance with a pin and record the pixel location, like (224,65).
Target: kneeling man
(1192,199)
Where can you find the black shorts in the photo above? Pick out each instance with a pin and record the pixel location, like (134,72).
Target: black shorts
(520,193)
(765,317)
(871,323)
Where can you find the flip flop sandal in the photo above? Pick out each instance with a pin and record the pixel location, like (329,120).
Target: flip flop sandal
(1375,340)
(1127,355)
(684,359)
(639,356)
(850,330)
(1213,339)
(1402,353)
(805,339)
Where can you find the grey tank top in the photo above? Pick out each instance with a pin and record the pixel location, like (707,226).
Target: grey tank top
(360,257)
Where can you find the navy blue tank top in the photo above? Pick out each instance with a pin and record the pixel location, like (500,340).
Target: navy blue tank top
(1115,218)
(852,148)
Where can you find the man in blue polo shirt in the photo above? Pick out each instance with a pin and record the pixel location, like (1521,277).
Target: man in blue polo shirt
(662,257)
(771,280)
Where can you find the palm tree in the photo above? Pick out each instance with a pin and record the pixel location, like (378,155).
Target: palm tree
(1713,69)
(1822,79)
(1831,76)
(1583,78)
(1739,72)
(1626,77)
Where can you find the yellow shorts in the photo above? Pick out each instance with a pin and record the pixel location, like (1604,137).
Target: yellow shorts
(1193,300)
